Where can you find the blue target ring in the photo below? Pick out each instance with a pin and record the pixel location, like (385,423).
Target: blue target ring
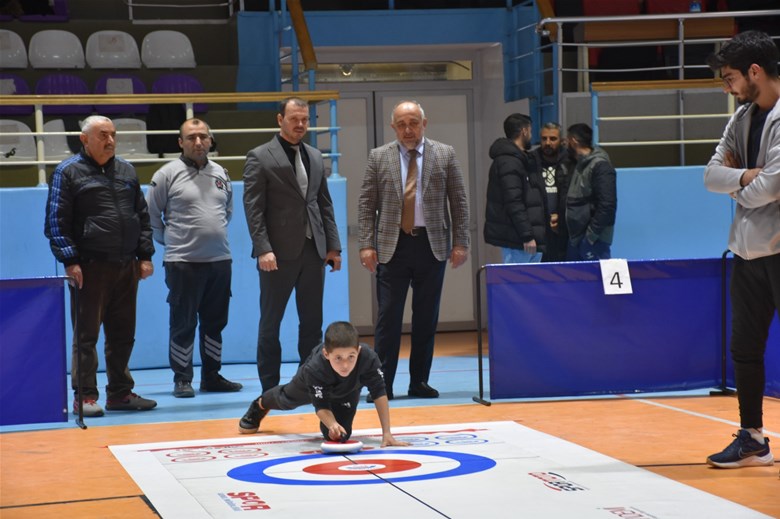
(467,464)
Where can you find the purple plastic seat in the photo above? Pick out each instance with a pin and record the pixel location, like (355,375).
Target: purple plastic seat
(59,13)
(11,84)
(61,83)
(180,84)
(120,83)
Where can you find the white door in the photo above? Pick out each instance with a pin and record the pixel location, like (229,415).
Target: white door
(364,122)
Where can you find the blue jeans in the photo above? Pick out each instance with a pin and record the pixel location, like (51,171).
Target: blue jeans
(519,256)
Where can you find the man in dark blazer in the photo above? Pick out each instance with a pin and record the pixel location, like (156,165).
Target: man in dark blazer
(409,226)
(294,235)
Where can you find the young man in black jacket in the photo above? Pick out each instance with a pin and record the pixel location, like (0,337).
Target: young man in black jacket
(591,202)
(516,208)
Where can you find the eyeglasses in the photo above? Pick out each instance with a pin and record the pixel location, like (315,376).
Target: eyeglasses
(728,81)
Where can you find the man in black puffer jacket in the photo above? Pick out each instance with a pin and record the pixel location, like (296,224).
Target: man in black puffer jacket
(516,209)
(98,228)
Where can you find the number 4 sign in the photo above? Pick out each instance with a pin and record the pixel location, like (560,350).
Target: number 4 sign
(615,276)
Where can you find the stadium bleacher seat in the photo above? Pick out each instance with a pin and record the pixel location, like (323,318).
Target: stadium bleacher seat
(13,53)
(176,83)
(55,48)
(167,49)
(120,83)
(131,145)
(13,84)
(67,84)
(16,147)
(56,12)
(55,147)
(112,50)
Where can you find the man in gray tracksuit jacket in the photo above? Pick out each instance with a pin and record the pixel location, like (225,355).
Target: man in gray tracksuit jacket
(190,204)
(746,165)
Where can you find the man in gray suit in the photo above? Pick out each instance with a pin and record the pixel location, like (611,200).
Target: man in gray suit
(293,229)
(411,188)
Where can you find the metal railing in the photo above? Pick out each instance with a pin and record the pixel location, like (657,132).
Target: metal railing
(677,31)
(189,100)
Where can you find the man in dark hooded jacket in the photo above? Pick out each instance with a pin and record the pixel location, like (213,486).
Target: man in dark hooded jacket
(516,211)
(591,202)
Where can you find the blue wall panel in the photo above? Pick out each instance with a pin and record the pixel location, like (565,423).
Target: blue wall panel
(33,387)
(25,253)
(553,332)
(665,213)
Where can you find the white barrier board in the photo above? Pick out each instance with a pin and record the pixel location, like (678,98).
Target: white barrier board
(465,471)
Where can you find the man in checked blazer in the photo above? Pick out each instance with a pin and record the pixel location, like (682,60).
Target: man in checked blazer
(293,235)
(406,249)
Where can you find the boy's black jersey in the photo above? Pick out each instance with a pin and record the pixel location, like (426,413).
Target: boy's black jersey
(325,386)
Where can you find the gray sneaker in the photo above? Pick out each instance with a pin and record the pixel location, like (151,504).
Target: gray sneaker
(183,389)
(131,402)
(91,408)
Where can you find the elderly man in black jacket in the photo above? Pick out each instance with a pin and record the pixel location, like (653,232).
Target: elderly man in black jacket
(516,209)
(98,228)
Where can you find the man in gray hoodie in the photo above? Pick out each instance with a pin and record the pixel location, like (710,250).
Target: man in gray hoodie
(746,165)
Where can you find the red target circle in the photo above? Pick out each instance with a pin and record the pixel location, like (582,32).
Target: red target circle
(366,466)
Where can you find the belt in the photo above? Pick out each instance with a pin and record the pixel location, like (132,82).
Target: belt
(415,231)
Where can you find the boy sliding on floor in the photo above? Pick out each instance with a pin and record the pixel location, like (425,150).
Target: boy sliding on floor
(331,379)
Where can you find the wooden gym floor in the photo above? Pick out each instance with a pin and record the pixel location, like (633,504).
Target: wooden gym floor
(70,472)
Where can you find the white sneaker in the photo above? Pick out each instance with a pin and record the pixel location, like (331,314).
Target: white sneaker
(91,407)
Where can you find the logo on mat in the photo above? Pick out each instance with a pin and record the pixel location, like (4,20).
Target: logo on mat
(628,512)
(244,501)
(557,482)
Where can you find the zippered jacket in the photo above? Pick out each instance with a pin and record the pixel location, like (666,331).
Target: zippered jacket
(755,230)
(97,212)
(591,202)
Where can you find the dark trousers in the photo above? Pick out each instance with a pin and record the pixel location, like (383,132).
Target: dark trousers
(556,245)
(755,298)
(106,298)
(585,251)
(198,293)
(413,263)
(305,274)
(294,395)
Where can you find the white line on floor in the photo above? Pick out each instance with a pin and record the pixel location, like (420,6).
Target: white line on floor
(701,415)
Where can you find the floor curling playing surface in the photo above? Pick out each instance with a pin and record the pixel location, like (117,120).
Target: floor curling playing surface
(492,469)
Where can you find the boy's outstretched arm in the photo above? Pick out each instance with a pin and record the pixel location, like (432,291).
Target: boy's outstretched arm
(383,410)
(335,430)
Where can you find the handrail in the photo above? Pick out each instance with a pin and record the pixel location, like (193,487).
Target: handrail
(117,99)
(649,86)
(673,16)
(39,101)
(671,30)
(655,84)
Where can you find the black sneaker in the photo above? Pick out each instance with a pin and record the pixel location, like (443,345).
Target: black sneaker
(183,389)
(131,402)
(744,451)
(219,384)
(250,422)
